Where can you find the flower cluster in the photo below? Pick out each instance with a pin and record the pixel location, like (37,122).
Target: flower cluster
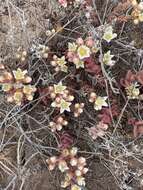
(59,63)
(40,51)
(61,97)
(58,124)
(21,54)
(133,82)
(16,85)
(137,12)
(98,101)
(72,166)
(78,109)
(80,50)
(98,131)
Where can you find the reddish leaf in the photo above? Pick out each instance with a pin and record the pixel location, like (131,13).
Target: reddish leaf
(138,129)
(105,115)
(139,77)
(65,140)
(92,67)
(129,78)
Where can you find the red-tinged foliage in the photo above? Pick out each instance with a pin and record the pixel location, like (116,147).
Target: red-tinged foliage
(119,12)
(131,121)
(98,130)
(105,115)
(139,77)
(65,140)
(129,78)
(132,77)
(92,67)
(137,127)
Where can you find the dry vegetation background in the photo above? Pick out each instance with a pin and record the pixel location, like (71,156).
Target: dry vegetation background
(114,161)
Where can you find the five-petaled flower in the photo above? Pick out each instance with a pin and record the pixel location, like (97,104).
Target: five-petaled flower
(64,106)
(59,88)
(83,52)
(107,59)
(16,85)
(100,102)
(108,34)
(19,74)
(59,63)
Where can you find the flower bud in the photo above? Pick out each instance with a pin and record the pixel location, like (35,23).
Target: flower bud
(24,53)
(85,170)
(28,79)
(82,160)
(57,100)
(73,162)
(78,173)
(73,151)
(53,63)
(60,120)
(59,127)
(90,42)
(70,98)
(57,69)
(136,21)
(53,95)
(53,159)
(65,123)
(2,66)
(80,41)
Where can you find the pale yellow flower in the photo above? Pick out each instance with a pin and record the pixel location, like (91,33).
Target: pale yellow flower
(133,91)
(72,47)
(18,97)
(55,105)
(141,17)
(62,63)
(64,106)
(65,152)
(62,166)
(108,34)
(6,87)
(73,151)
(100,102)
(78,63)
(107,59)
(19,74)
(83,52)
(59,88)
(80,181)
(29,89)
